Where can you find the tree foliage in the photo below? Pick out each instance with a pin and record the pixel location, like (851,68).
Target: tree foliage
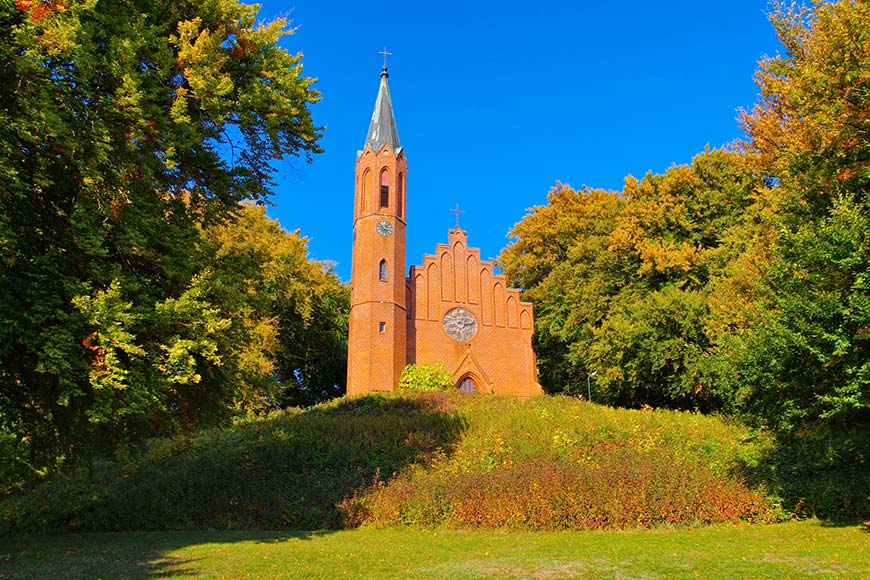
(811,316)
(290,313)
(559,258)
(621,280)
(126,128)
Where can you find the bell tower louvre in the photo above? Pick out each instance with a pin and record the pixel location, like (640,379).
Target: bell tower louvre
(454,310)
(377,322)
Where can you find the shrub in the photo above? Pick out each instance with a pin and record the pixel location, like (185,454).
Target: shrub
(821,472)
(425,378)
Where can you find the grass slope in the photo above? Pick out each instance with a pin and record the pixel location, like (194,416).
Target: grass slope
(436,459)
(557,463)
(793,550)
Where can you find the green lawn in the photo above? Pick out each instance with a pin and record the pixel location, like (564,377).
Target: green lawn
(793,550)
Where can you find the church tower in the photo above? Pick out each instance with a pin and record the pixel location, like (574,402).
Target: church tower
(378,316)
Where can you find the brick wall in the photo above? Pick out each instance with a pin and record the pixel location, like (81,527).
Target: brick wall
(499,357)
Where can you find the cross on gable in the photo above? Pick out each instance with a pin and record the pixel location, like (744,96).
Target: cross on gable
(457,211)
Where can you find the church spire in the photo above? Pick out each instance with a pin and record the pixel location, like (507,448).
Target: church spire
(382,129)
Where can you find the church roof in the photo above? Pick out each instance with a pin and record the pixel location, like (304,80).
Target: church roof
(382,129)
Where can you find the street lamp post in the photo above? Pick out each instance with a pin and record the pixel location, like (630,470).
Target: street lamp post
(589,385)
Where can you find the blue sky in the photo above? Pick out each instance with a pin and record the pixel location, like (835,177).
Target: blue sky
(496,102)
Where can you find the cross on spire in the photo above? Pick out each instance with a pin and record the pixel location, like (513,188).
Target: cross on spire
(457,211)
(386,54)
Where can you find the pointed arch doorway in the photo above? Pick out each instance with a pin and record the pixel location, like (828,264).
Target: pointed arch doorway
(467,384)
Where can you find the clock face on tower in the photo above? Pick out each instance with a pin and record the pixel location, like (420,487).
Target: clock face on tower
(459,324)
(384,228)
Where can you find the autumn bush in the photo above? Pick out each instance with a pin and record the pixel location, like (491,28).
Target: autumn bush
(619,489)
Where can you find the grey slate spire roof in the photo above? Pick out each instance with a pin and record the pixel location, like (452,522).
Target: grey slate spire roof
(382,129)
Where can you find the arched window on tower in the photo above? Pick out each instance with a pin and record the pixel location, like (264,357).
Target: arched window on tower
(382,271)
(385,188)
(400,194)
(364,190)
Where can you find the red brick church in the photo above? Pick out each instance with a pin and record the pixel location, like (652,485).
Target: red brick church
(452,310)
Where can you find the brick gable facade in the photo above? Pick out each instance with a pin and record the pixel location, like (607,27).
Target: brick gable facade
(498,357)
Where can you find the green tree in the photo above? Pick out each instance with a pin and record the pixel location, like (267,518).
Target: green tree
(123,126)
(621,282)
(675,238)
(647,350)
(792,344)
(289,313)
(805,351)
(559,258)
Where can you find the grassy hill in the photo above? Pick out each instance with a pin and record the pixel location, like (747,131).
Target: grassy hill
(434,459)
